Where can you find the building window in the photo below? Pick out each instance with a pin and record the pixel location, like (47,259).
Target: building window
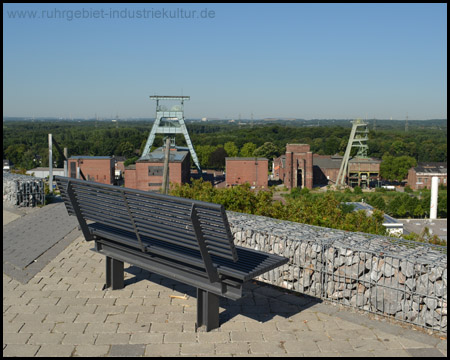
(155,170)
(425,180)
(154,184)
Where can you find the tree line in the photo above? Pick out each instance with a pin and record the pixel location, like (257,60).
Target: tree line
(25,143)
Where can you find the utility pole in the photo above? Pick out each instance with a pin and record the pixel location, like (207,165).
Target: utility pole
(50,163)
(165,181)
(66,172)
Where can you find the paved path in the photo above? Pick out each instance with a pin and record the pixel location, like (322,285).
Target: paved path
(28,236)
(62,311)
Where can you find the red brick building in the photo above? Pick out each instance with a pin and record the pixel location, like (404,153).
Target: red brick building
(326,168)
(419,177)
(254,171)
(147,173)
(95,168)
(299,167)
(295,168)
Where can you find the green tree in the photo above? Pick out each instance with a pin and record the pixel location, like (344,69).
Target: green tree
(126,149)
(267,150)
(248,149)
(396,168)
(204,152)
(231,149)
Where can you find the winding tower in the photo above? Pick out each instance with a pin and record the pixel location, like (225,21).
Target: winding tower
(170,121)
(358,139)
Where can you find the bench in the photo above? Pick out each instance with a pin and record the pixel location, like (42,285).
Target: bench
(186,240)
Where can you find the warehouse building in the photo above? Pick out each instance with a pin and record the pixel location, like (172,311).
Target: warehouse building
(147,173)
(419,177)
(95,168)
(252,170)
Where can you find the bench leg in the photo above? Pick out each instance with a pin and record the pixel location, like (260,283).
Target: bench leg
(114,274)
(207,310)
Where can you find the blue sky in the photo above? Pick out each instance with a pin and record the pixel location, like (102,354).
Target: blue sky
(270,60)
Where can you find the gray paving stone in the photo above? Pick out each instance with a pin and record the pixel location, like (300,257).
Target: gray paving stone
(273,348)
(197,349)
(20,350)
(425,352)
(15,338)
(162,350)
(146,338)
(112,339)
(56,350)
(79,339)
(127,350)
(45,339)
(213,337)
(180,338)
(91,350)
(300,346)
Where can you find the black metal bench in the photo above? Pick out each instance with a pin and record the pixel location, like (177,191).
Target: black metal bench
(186,240)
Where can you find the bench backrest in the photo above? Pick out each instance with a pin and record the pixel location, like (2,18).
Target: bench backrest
(176,221)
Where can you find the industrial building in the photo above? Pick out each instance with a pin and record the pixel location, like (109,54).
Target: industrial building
(363,172)
(326,168)
(147,173)
(252,170)
(95,168)
(299,167)
(295,168)
(419,177)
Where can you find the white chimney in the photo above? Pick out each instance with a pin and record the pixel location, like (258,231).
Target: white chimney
(434,197)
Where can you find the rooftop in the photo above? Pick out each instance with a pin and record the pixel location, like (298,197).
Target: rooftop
(86,157)
(431,167)
(437,227)
(158,155)
(245,158)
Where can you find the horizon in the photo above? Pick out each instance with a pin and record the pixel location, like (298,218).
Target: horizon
(235,61)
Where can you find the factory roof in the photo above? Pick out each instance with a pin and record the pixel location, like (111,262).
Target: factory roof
(431,167)
(245,158)
(86,157)
(327,161)
(158,156)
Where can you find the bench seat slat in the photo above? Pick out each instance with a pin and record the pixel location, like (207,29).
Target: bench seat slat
(250,262)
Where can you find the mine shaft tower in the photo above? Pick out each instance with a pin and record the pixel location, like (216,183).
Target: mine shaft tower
(358,139)
(170,122)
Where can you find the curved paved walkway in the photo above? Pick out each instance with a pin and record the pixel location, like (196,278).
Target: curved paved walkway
(62,311)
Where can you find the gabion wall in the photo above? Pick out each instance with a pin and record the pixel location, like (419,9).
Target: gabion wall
(388,276)
(23,190)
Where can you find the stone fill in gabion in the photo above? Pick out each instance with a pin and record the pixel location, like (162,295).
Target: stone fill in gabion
(23,190)
(389,276)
